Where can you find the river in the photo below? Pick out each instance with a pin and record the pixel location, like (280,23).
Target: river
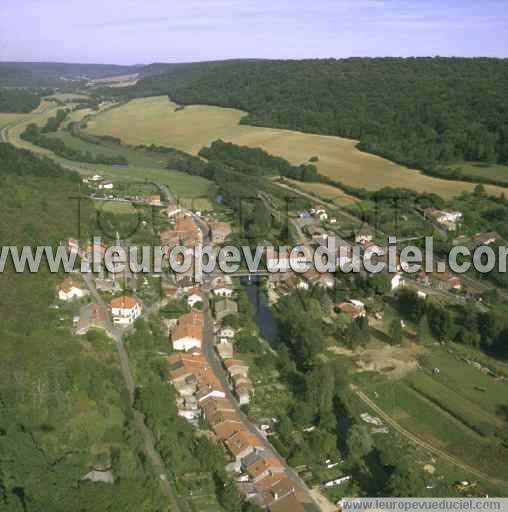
(265,319)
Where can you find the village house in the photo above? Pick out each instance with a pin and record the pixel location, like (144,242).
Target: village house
(242,444)
(108,285)
(224,308)
(70,289)
(486,238)
(227,429)
(224,349)
(209,387)
(396,281)
(91,316)
(72,245)
(226,332)
(319,213)
(125,310)
(153,200)
(288,504)
(212,405)
(446,281)
(243,392)
(105,185)
(188,333)
(269,481)
(236,367)
(223,291)
(278,491)
(364,236)
(447,219)
(185,232)
(216,418)
(263,467)
(219,231)
(353,309)
(194,296)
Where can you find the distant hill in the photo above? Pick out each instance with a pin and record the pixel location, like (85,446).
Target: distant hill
(52,74)
(420,112)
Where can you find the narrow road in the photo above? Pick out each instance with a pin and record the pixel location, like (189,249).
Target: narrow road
(139,420)
(423,444)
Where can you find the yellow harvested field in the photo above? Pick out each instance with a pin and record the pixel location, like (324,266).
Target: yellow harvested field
(336,195)
(158,121)
(7,119)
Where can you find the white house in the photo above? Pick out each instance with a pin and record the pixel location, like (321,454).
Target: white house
(125,310)
(70,289)
(194,297)
(223,291)
(105,185)
(188,333)
(226,332)
(363,237)
(337,481)
(397,281)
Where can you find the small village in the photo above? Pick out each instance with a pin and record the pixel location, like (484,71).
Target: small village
(212,382)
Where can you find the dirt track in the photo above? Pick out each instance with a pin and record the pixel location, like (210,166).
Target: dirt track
(426,446)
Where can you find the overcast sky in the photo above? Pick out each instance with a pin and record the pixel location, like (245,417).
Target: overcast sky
(144,31)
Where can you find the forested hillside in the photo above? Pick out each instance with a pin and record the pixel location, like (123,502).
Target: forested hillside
(62,409)
(18,101)
(419,112)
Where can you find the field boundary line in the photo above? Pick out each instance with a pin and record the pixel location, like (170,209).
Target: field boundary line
(423,444)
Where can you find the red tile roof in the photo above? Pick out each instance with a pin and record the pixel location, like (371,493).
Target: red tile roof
(124,302)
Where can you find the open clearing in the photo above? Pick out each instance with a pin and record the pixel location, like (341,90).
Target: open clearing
(117,81)
(157,120)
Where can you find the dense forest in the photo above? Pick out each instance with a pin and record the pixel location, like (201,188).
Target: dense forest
(18,101)
(420,112)
(62,409)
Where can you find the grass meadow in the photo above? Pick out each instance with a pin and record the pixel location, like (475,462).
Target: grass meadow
(479,170)
(191,190)
(157,120)
(455,410)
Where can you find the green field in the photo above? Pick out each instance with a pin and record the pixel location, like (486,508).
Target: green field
(479,170)
(156,120)
(191,190)
(135,158)
(454,410)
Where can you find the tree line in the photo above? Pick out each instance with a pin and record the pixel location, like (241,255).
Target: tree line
(18,101)
(421,112)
